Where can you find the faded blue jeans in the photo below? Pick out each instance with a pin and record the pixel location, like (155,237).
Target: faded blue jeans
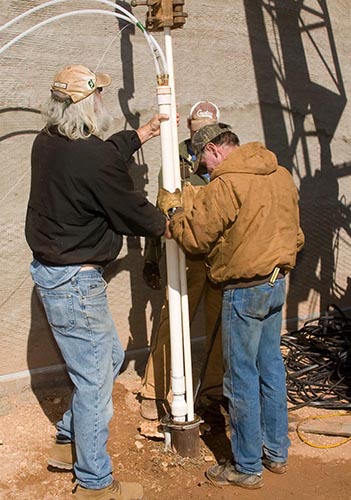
(254,380)
(83,328)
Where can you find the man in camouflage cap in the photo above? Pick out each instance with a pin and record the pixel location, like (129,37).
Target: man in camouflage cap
(206,134)
(246,221)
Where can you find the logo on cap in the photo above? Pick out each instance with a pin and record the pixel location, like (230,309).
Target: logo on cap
(60,85)
(204,110)
(200,113)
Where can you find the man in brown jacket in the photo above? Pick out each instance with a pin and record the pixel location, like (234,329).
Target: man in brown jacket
(247,222)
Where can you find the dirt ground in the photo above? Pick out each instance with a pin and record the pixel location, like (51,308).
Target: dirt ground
(27,429)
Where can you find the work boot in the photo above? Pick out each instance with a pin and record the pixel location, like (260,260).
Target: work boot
(153,409)
(62,455)
(115,491)
(276,467)
(226,474)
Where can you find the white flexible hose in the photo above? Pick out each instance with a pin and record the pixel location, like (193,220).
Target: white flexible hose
(54,18)
(68,14)
(156,48)
(129,17)
(132,18)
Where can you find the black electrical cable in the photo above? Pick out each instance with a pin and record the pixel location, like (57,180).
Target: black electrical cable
(318,362)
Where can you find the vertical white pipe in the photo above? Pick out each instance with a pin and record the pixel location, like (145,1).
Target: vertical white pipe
(173,119)
(186,337)
(179,407)
(181,255)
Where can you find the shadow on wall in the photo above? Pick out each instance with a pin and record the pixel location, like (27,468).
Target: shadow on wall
(290,101)
(15,133)
(44,359)
(42,352)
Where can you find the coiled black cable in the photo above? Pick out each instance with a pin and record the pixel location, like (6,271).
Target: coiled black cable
(318,362)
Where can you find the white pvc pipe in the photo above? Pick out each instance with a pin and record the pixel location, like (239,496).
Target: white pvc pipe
(180,254)
(173,117)
(186,336)
(179,407)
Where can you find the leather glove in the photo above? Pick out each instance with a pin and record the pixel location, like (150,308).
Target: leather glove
(167,200)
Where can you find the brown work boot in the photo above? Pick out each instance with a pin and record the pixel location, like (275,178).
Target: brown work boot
(153,409)
(116,491)
(62,456)
(226,474)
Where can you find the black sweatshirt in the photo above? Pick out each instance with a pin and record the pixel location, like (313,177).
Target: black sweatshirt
(82,199)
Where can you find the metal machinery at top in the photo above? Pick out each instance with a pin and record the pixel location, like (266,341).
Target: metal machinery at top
(163,13)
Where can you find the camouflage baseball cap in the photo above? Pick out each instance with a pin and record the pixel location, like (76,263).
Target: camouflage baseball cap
(206,134)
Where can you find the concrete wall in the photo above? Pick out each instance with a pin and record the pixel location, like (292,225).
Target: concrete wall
(280,73)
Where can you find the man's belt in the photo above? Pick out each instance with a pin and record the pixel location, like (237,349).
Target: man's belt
(271,278)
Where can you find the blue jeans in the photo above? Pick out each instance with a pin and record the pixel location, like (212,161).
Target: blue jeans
(83,328)
(254,380)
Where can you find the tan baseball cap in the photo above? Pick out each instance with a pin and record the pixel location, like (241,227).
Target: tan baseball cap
(203,113)
(77,82)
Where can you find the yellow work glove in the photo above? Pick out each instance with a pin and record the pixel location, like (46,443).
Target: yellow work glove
(167,200)
(189,193)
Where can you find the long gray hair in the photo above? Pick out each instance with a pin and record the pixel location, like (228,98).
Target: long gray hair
(79,120)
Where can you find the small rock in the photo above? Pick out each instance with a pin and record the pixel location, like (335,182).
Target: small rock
(139,445)
(139,437)
(151,429)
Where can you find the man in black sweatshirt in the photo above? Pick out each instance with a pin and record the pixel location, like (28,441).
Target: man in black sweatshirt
(82,202)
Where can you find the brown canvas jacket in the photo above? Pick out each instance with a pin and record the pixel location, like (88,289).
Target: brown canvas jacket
(246,219)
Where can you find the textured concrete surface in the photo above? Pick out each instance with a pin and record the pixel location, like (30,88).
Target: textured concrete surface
(279,72)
